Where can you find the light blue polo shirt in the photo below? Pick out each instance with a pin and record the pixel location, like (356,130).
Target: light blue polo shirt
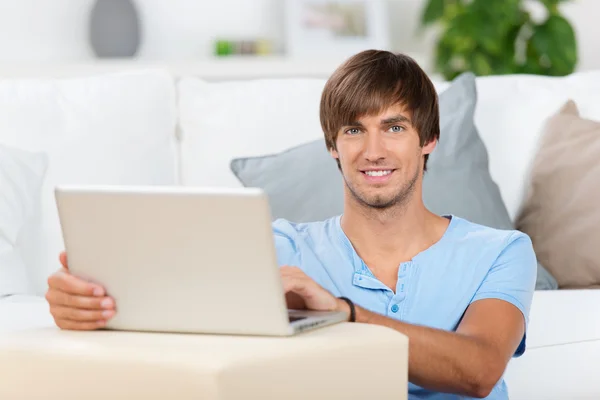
(470,262)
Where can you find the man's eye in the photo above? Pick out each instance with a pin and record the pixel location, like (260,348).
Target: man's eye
(353,131)
(396,128)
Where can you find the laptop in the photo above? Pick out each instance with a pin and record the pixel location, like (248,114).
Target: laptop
(182,259)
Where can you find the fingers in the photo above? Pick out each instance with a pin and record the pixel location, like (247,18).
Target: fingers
(65,282)
(294,301)
(80,315)
(76,304)
(79,312)
(294,285)
(294,278)
(80,326)
(313,296)
(295,292)
(58,298)
(63,259)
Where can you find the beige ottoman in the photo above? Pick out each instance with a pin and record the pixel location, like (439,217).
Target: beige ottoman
(345,361)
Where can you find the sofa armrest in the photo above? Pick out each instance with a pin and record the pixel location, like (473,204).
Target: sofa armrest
(568,371)
(563,316)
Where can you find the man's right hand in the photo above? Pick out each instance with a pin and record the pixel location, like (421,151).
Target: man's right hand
(76,304)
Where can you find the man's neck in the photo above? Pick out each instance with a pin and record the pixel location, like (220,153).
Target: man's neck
(396,234)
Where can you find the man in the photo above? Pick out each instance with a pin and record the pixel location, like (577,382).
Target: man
(461,292)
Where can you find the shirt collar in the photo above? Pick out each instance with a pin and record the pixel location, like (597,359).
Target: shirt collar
(361,268)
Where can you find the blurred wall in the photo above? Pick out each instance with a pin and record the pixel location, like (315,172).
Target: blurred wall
(41,30)
(57,30)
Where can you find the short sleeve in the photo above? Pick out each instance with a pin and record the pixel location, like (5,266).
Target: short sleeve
(285,244)
(512,278)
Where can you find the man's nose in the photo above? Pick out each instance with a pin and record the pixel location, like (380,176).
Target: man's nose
(374,147)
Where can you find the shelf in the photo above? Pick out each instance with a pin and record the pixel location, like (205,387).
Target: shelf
(226,68)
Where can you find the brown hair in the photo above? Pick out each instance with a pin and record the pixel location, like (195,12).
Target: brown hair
(372,81)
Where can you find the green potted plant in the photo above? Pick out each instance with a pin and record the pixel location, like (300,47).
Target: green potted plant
(494,37)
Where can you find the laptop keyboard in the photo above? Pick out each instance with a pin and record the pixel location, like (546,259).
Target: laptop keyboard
(294,319)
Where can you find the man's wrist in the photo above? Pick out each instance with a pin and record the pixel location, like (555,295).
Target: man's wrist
(346,306)
(362,315)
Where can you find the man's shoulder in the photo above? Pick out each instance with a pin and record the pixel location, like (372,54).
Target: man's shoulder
(296,230)
(481,236)
(292,239)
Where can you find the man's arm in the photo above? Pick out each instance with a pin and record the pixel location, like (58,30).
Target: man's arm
(469,361)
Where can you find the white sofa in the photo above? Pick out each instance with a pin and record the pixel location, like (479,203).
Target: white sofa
(157,127)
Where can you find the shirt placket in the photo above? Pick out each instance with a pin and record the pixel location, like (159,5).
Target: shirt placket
(398,300)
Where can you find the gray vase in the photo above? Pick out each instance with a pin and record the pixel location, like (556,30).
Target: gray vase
(114,29)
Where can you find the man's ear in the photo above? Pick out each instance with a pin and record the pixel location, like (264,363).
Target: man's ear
(334,153)
(336,156)
(429,147)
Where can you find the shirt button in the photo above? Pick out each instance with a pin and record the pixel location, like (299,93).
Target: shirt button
(395,308)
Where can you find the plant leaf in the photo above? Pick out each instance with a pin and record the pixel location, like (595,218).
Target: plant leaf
(481,64)
(555,43)
(552,6)
(434,10)
(552,3)
(499,37)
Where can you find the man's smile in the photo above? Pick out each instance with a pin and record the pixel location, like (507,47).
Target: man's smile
(378,175)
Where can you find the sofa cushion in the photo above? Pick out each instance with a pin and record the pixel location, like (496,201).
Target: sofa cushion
(221,121)
(21,177)
(304,184)
(111,129)
(561,210)
(24,312)
(511,111)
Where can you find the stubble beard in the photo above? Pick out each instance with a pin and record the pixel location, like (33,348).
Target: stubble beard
(379,203)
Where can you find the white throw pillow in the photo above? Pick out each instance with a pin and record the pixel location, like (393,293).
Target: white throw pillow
(114,129)
(21,178)
(225,120)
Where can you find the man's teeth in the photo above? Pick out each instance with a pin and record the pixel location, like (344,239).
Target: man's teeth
(378,173)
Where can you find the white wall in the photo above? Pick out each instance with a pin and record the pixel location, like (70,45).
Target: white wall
(44,30)
(56,30)
(186,28)
(584,15)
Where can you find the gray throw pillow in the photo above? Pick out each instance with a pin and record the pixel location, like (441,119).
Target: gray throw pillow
(304,183)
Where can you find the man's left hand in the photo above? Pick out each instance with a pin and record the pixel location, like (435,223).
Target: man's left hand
(304,293)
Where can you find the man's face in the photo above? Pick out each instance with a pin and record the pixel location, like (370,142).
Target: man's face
(381,157)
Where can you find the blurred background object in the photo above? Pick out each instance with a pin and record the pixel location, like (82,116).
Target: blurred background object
(114,28)
(494,37)
(340,28)
(248,47)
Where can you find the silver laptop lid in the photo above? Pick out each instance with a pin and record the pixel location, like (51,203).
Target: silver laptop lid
(178,259)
